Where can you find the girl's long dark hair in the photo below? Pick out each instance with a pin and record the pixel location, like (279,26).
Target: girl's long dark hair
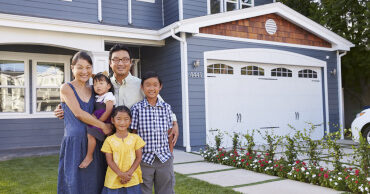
(101,77)
(118,109)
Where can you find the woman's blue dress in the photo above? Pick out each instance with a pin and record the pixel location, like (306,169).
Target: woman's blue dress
(71,178)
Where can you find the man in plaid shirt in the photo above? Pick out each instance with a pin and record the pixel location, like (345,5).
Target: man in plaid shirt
(151,119)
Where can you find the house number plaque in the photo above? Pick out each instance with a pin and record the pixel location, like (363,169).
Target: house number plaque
(196,74)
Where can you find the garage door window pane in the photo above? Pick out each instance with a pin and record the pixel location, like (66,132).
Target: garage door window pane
(307,73)
(220,69)
(281,72)
(252,70)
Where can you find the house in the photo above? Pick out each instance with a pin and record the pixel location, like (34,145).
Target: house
(227,65)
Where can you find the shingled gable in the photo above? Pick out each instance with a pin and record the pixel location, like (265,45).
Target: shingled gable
(254,28)
(292,27)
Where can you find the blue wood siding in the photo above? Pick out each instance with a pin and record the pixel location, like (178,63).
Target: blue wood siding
(171,11)
(262,2)
(196,48)
(166,61)
(194,8)
(144,14)
(147,15)
(25,133)
(77,10)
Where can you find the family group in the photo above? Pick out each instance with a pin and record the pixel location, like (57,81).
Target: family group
(119,133)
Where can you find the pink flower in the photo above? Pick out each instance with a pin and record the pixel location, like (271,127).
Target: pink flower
(250,157)
(260,161)
(321,169)
(262,165)
(356,182)
(242,160)
(304,164)
(248,154)
(234,161)
(297,162)
(357,171)
(222,154)
(297,169)
(267,154)
(319,174)
(266,161)
(247,163)
(326,175)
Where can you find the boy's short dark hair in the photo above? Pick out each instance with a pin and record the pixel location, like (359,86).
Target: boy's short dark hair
(119,47)
(150,74)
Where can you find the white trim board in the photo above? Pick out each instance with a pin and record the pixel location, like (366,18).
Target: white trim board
(191,25)
(275,57)
(261,41)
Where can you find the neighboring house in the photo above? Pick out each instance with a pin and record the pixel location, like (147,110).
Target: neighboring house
(261,67)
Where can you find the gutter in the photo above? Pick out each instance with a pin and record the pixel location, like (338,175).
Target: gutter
(129,4)
(181,10)
(100,13)
(340,93)
(184,83)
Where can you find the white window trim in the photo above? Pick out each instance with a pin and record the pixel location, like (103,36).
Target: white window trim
(53,59)
(148,1)
(223,5)
(8,56)
(34,57)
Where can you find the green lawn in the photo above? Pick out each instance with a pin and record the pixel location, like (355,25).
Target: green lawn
(39,175)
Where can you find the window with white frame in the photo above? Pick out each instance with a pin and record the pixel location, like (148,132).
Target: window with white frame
(12,86)
(281,72)
(218,6)
(220,69)
(29,83)
(49,77)
(252,70)
(307,73)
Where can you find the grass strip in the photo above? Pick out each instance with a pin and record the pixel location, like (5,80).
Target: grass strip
(189,162)
(212,171)
(255,183)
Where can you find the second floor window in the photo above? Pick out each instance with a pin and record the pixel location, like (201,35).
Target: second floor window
(218,6)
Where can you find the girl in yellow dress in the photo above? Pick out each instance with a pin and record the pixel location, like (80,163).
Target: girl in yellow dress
(123,154)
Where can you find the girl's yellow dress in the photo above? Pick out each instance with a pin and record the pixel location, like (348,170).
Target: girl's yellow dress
(124,156)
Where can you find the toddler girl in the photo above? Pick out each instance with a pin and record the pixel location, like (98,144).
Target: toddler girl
(123,154)
(103,107)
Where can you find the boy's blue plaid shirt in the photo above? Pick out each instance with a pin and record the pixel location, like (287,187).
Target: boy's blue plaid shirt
(152,124)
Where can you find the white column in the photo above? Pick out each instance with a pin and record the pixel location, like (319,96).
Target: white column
(100,61)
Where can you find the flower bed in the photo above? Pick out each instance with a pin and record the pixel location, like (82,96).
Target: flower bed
(349,179)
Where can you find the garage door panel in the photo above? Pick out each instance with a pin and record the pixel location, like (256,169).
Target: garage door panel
(265,102)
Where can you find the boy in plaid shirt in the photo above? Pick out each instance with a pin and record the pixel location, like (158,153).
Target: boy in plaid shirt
(151,120)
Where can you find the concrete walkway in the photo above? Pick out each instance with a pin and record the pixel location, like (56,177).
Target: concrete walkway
(240,180)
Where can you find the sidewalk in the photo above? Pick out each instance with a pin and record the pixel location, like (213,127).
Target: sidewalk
(240,180)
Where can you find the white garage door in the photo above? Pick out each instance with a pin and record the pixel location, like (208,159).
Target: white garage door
(265,97)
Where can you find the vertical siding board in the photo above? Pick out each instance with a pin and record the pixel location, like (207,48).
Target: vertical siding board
(198,45)
(166,61)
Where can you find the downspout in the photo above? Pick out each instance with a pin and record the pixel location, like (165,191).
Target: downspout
(181,10)
(340,93)
(100,14)
(184,83)
(129,12)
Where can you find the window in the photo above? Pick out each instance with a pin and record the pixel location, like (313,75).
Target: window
(252,70)
(281,72)
(49,78)
(217,6)
(220,69)
(307,73)
(12,86)
(29,83)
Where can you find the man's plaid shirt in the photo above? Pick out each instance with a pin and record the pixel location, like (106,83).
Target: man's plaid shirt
(152,124)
